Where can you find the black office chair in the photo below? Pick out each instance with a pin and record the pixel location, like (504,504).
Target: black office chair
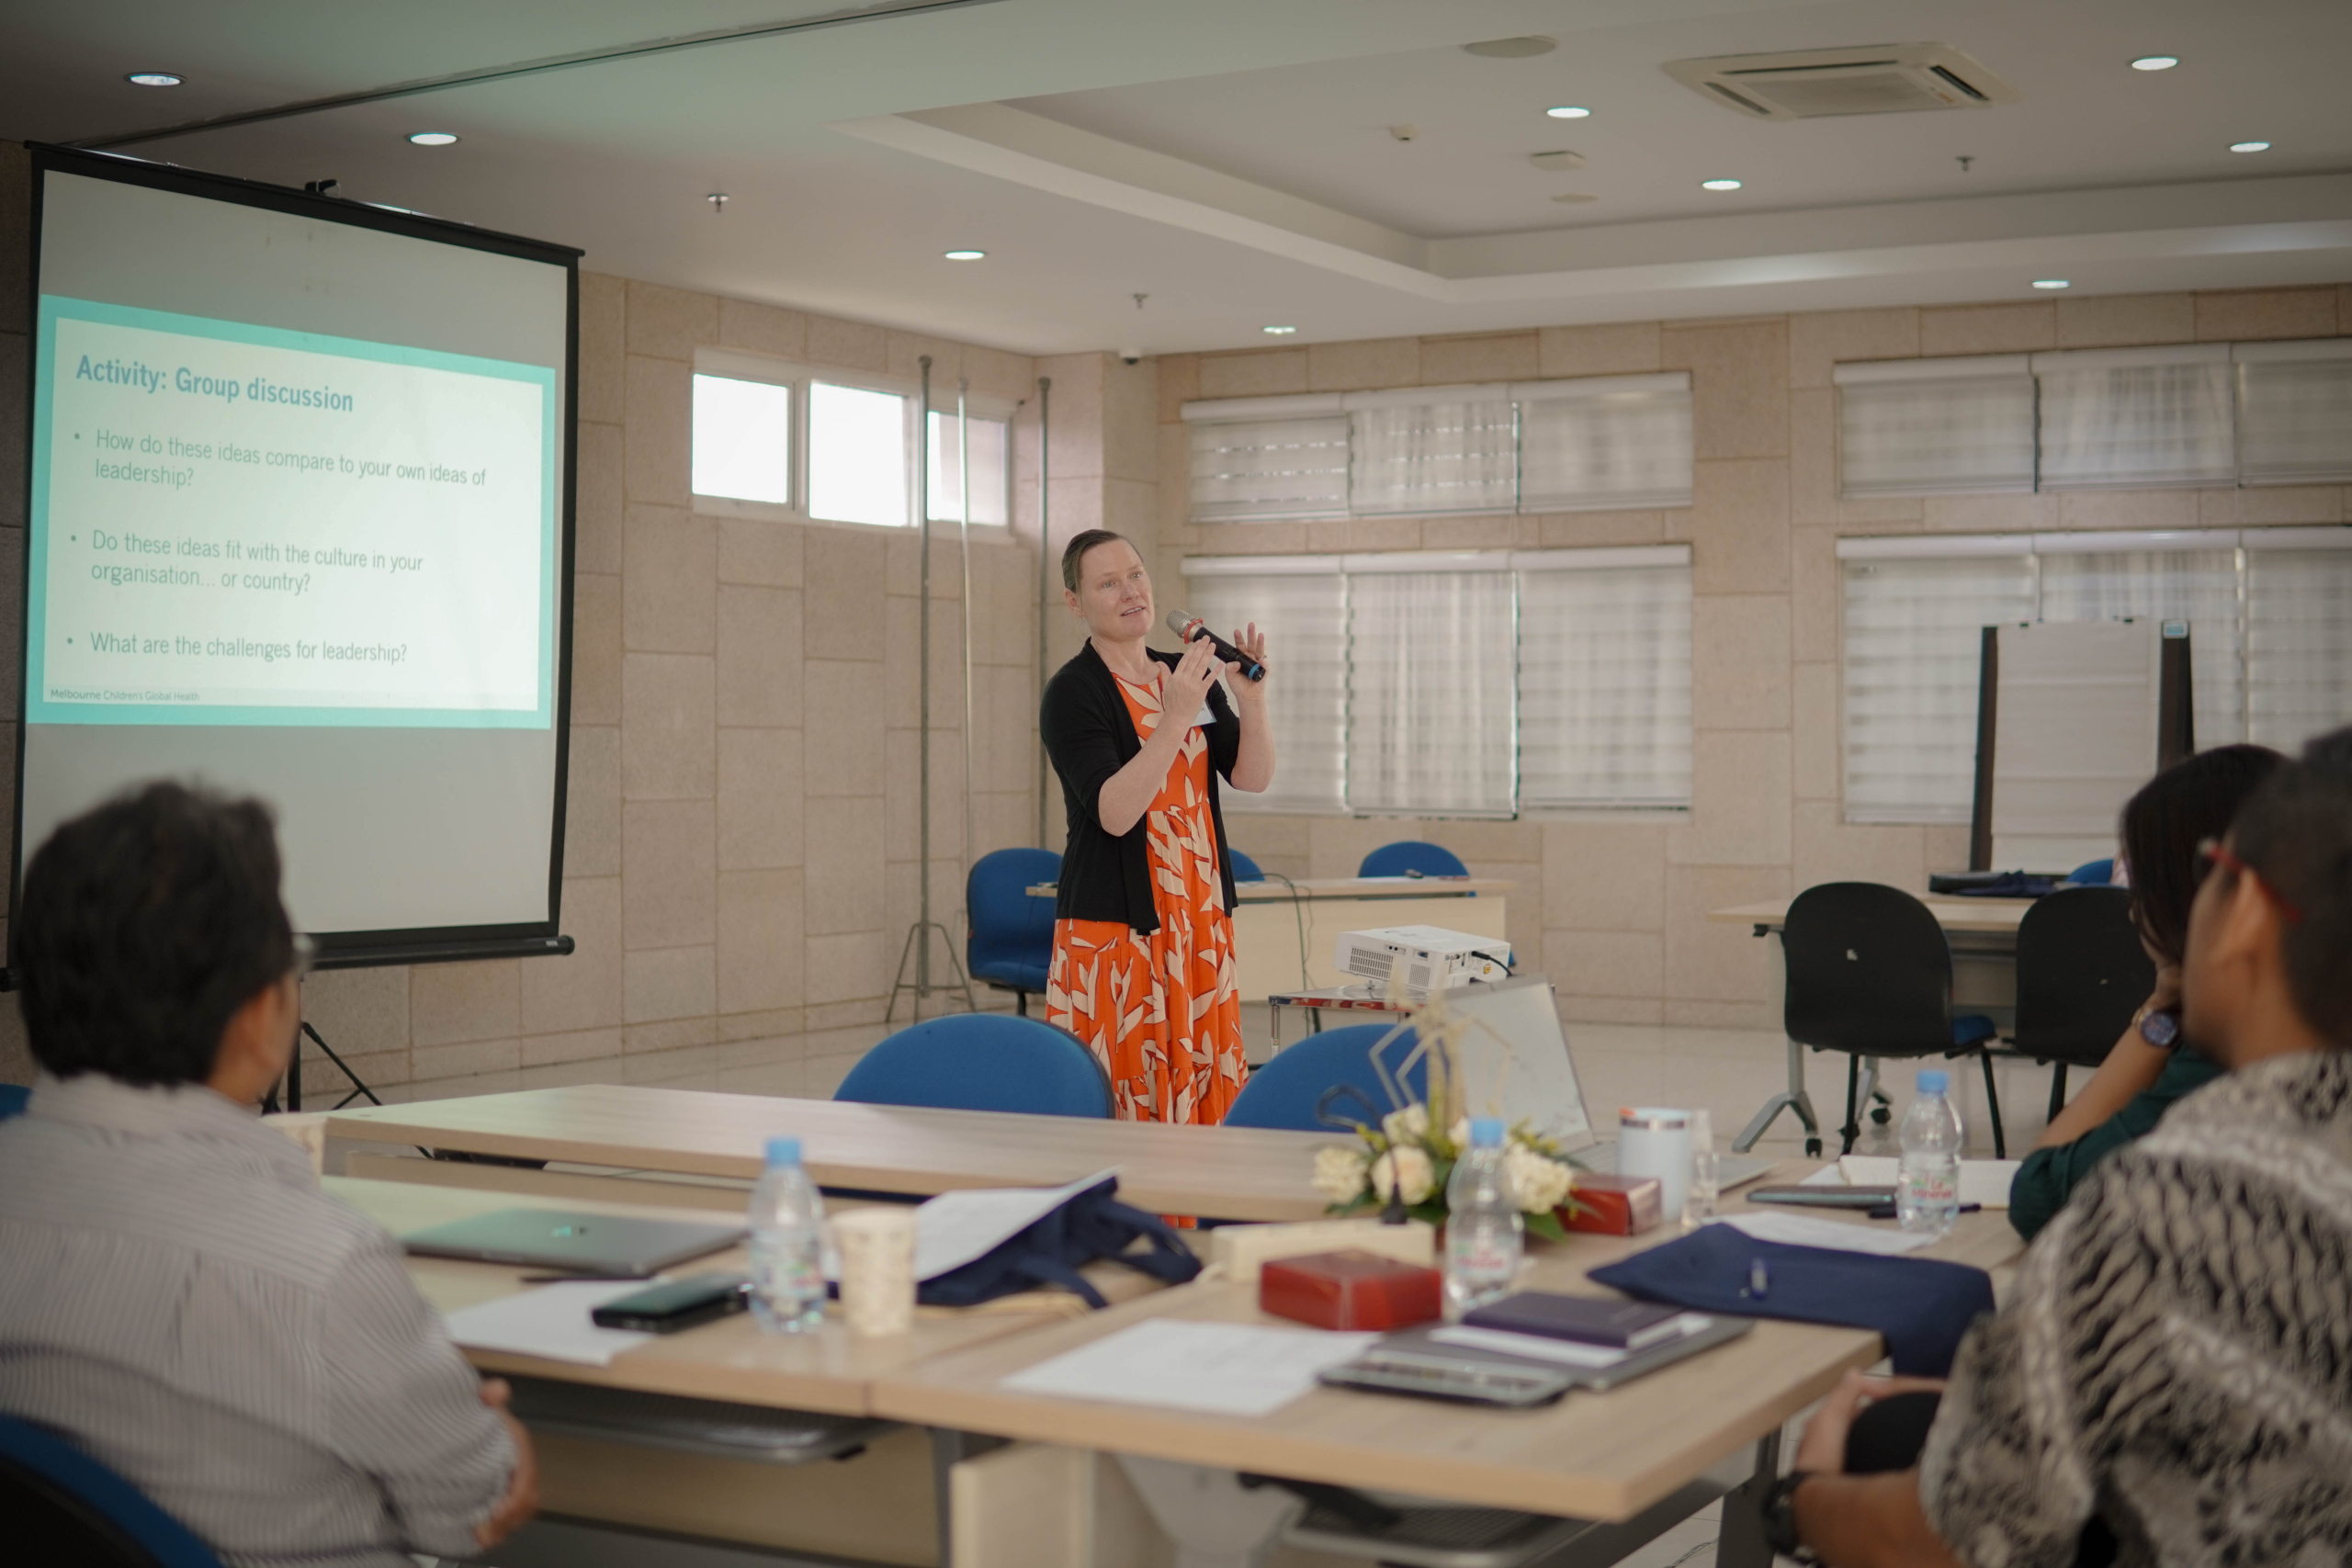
(1870,975)
(62,1505)
(2081,976)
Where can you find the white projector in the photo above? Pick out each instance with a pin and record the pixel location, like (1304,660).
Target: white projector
(1416,960)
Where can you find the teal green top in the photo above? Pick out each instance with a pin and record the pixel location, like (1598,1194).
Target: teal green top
(2050,1176)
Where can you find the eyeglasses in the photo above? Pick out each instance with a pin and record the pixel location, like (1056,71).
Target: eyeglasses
(306,953)
(2213,852)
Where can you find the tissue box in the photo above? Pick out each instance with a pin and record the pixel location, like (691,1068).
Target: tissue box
(1615,1205)
(1351,1289)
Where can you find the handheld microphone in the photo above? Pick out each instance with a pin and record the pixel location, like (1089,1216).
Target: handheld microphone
(1191,629)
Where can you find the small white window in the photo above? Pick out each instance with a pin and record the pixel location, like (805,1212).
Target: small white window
(857,456)
(1935,426)
(2136,416)
(1301,604)
(991,454)
(1433,673)
(1604,677)
(742,439)
(2294,412)
(2297,634)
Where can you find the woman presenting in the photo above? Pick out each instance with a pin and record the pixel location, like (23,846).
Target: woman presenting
(1143,930)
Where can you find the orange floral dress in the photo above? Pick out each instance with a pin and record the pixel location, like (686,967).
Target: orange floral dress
(1159,1010)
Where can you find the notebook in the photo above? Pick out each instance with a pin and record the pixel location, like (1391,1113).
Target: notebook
(575,1243)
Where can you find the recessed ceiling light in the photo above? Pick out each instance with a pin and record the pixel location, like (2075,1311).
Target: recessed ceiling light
(1718,185)
(1512,47)
(1568,111)
(2155,62)
(433,138)
(152,79)
(2052,283)
(964,255)
(2249,146)
(1279,332)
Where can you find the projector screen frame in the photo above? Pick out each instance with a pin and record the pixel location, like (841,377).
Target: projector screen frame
(349,949)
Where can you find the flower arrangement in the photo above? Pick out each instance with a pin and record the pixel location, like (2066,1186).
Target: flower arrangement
(1411,1155)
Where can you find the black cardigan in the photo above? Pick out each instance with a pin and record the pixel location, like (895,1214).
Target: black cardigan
(1090,736)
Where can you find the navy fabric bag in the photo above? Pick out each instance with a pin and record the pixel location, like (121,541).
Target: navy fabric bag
(1920,1306)
(1092,1225)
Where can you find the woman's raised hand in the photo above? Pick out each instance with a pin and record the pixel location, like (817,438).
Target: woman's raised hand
(1183,689)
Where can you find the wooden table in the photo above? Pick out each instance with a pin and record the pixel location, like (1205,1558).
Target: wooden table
(1959,916)
(1227,1172)
(1599,1456)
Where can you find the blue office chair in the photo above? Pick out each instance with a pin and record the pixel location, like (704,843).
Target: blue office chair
(2093,872)
(62,1505)
(13,1097)
(982,1061)
(1011,940)
(1244,868)
(1284,1093)
(1409,856)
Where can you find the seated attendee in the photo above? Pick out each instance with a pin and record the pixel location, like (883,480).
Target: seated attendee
(180,1300)
(2170,1381)
(2154,1063)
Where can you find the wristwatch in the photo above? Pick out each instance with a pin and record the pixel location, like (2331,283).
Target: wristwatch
(1779,1510)
(2160,1027)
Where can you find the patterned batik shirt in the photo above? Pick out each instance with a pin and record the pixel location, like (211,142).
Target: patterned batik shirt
(2176,1357)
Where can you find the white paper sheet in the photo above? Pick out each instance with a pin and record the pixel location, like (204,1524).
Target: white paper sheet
(956,1227)
(1985,1181)
(551,1321)
(1827,1176)
(1807,1229)
(1224,1369)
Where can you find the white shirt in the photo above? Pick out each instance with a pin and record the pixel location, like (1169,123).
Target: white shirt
(180,1299)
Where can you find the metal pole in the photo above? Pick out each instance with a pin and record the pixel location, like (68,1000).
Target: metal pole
(922,834)
(964,536)
(1044,568)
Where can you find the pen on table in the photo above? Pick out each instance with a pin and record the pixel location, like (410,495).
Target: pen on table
(1886,1211)
(1759,1280)
(584,1278)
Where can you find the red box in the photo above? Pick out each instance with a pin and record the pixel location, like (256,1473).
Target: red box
(1614,1205)
(1350,1290)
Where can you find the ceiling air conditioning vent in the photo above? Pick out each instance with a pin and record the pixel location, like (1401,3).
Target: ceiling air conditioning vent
(1894,78)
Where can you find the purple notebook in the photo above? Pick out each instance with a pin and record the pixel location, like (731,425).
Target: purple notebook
(1589,1320)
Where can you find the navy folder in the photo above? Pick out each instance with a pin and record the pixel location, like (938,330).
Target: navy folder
(1920,1306)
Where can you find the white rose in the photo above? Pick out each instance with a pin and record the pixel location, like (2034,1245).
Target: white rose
(1542,1183)
(1461,1132)
(1339,1174)
(1409,1125)
(1405,1168)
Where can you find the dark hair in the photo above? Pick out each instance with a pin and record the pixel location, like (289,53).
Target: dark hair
(2173,812)
(2297,834)
(142,927)
(1074,553)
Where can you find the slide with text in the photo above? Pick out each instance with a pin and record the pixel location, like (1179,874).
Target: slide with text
(241,525)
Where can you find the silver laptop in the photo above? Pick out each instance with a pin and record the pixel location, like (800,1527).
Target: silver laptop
(1525,1063)
(566,1241)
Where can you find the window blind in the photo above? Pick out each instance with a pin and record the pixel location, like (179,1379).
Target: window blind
(2190,576)
(1913,638)
(1936,426)
(1431,679)
(1416,457)
(1301,604)
(2298,633)
(1604,677)
(1289,465)
(1610,443)
(2136,416)
(2294,412)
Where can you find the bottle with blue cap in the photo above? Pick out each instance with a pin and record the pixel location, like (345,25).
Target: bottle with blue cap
(787,1219)
(1926,1182)
(1484,1230)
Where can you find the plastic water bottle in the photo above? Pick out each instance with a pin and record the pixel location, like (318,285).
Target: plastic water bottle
(1927,1186)
(1706,1172)
(787,1219)
(1484,1232)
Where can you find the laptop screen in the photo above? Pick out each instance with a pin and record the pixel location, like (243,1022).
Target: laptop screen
(1515,1060)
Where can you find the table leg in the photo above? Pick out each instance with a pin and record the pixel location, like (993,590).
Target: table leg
(1739,1541)
(948,1449)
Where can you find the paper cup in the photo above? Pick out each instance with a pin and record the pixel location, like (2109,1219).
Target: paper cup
(877,1275)
(1656,1141)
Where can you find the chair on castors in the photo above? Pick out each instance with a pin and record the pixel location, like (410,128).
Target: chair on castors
(2081,976)
(1870,975)
(1011,940)
(62,1505)
(13,1097)
(1284,1093)
(2092,874)
(1407,856)
(982,1061)
(1244,868)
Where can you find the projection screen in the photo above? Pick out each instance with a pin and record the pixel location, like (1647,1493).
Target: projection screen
(299,525)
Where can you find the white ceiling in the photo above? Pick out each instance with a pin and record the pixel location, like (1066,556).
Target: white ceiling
(1230,158)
